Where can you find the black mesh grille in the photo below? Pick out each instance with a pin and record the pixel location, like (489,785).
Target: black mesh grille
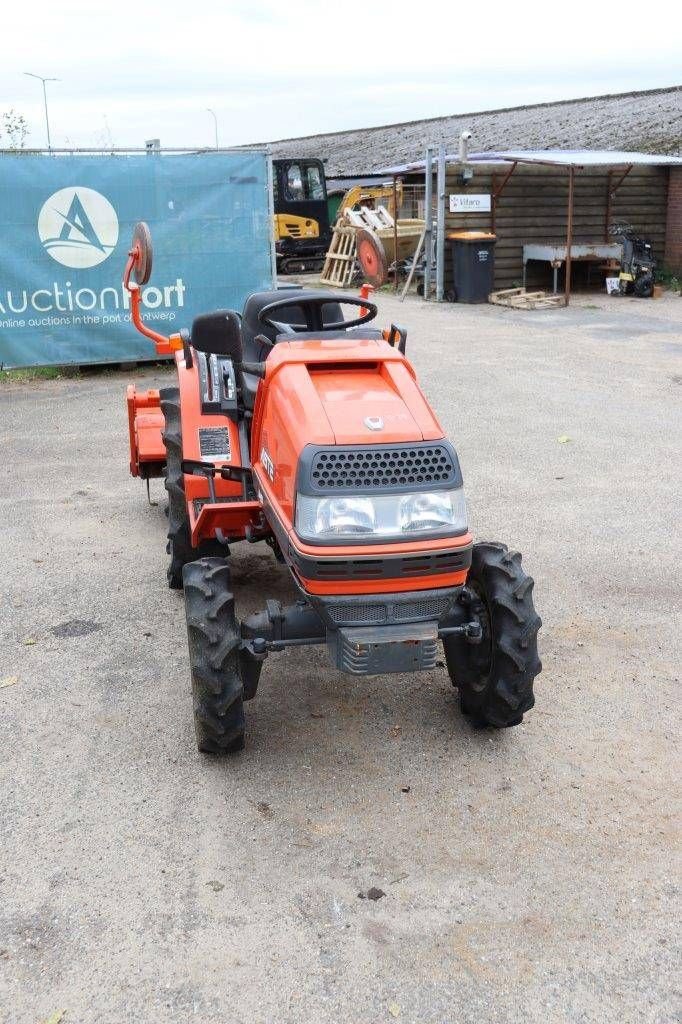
(358,613)
(431,608)
(372,468)
(406,611)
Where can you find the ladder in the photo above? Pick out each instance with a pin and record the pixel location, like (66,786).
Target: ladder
(339,264)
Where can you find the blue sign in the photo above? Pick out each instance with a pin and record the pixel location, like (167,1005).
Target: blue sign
(67,224)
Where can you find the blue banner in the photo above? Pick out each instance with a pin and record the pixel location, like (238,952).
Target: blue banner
(66,228)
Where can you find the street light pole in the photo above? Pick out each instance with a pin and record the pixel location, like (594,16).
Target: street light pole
(47,119)
(215,122)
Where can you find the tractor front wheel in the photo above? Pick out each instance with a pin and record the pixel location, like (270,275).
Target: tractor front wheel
(495,677)
(213,638)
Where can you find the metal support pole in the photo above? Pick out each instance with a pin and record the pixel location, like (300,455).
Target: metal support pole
(428,222)
(395,232)
(47,119)
(569,235)
(440,225)
(493,205)
(269,185)
(607,212)
(40,78)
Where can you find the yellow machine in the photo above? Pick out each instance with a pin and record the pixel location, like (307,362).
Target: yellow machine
(361,195)
(301,224)
(288,225)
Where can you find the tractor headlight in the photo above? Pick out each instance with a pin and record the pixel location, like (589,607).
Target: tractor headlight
(383,516)
(344,517)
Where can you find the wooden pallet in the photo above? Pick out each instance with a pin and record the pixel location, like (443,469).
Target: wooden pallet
(339,264)
(374,220)
(519,298)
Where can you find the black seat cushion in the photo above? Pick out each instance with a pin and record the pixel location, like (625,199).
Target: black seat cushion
(255,351)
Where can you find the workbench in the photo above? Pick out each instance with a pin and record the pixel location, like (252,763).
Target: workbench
(555,255)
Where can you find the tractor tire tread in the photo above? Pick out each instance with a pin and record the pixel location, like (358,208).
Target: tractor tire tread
(179,545)
(214,656)
(503,697)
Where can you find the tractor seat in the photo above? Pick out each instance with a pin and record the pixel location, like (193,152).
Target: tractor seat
(257,352)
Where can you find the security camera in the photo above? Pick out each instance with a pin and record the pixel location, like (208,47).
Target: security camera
(465,135)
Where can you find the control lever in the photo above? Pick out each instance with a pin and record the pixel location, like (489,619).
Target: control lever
(399,335)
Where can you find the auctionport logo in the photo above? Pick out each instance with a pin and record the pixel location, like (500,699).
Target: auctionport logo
(78,227)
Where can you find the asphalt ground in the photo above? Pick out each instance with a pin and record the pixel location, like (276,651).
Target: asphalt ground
(530,875)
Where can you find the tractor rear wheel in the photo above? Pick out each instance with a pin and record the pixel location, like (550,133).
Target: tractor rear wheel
(179,545)
(213,638)
(495,677)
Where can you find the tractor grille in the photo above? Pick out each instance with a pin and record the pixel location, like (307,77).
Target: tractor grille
(433,608)
(374,468)
(430,563)
(376,613)
(350,613)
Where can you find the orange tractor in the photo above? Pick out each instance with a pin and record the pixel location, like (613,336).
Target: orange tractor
(301,426)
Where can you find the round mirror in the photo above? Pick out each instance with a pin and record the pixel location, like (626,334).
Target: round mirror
(142,243)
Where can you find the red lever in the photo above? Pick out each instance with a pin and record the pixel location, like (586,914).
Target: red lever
(365,293)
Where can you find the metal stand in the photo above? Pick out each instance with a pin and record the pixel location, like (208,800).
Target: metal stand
(440,225)
(428,222)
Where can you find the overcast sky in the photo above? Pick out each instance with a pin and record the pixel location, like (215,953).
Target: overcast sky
(273,69)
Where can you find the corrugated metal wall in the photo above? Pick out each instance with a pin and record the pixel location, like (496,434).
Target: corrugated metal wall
(532,208)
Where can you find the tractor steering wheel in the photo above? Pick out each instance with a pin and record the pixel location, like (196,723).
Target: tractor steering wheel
(312,311)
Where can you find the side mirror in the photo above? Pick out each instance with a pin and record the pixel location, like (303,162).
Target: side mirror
(218,333)
(139,267)
(144,252)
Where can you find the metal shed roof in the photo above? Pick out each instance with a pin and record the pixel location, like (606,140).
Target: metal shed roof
(578,157)
(553,157)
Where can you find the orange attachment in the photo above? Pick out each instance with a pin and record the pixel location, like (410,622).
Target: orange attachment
(145,423)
